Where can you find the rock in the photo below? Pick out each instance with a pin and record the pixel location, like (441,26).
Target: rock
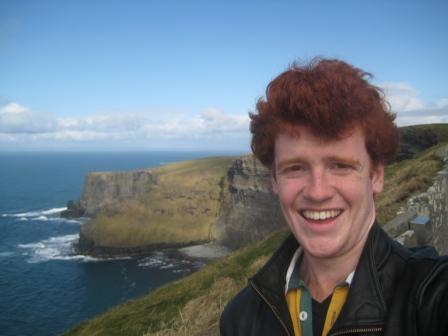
(107,190)
(249,210)
(86,246)
(407,238)
(73,210)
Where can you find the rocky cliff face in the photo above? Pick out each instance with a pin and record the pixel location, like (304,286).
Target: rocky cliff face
(173,205)
(105,190)
(249,210)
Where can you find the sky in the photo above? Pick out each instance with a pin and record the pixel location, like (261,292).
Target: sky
(183,75)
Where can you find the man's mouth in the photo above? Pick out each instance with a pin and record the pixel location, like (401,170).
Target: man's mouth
(320,215)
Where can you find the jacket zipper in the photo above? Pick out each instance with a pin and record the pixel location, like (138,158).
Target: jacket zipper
(271,307)
(357,330)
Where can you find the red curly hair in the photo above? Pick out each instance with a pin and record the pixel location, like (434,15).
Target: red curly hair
(330,97)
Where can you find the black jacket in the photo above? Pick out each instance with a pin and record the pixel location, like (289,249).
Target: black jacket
(395,291)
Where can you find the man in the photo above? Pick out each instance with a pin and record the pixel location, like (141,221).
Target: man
(326,133)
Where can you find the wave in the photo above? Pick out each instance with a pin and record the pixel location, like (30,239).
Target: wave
(53,248)
(38,213)
(45,216)
(163,261)
(58,248)
(80,220)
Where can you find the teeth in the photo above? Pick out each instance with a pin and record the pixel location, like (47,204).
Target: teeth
(321,215)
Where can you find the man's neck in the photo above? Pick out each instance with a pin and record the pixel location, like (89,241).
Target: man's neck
(322,275)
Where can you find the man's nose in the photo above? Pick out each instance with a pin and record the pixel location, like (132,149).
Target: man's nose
(318,187)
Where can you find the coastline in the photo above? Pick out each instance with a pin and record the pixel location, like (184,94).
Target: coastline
(88,248)
(202,250)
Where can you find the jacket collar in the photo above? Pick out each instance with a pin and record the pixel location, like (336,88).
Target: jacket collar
(270,281)
(367,306)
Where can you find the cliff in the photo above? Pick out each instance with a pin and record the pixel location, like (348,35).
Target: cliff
(133,212)
(107,190)
(227,200)
(249,210)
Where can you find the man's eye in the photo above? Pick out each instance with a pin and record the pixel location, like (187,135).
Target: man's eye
(340,166)
(293,170)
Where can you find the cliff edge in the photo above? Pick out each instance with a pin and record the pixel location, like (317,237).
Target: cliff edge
(227,200)
(223,199)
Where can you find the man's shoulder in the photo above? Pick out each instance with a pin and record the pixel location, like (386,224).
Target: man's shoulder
(421,296)
(429,267)
(416,252)
(424,272)
(249,311)
(248,314)
(237,312)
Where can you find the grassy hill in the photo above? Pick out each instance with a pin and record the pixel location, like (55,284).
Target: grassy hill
(192,306)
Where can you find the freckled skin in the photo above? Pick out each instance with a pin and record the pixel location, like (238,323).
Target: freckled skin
(316,175)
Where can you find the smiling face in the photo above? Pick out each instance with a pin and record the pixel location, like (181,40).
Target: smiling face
(325,189)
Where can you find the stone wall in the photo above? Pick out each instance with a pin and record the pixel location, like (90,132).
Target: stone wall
(425,220)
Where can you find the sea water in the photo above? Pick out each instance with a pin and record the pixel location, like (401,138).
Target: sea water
(45,288)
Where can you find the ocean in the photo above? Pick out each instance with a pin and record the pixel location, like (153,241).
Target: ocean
(45,288)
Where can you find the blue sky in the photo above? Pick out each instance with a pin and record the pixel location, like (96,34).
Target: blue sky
(92,75)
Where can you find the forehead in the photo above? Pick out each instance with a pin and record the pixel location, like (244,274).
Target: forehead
(304,142)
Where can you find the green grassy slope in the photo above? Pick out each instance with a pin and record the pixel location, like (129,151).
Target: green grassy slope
(192,306)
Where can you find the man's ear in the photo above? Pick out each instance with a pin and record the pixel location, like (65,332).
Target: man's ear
(274,181)
(377,178)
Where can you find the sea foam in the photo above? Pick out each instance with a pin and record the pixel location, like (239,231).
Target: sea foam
(53,248)
(176,264)
(37,213)
(45,216)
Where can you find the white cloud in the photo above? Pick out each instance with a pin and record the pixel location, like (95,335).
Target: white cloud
(20,125)
(17,119)
(210,128)
(401,96)
(214,120)
(405,101)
